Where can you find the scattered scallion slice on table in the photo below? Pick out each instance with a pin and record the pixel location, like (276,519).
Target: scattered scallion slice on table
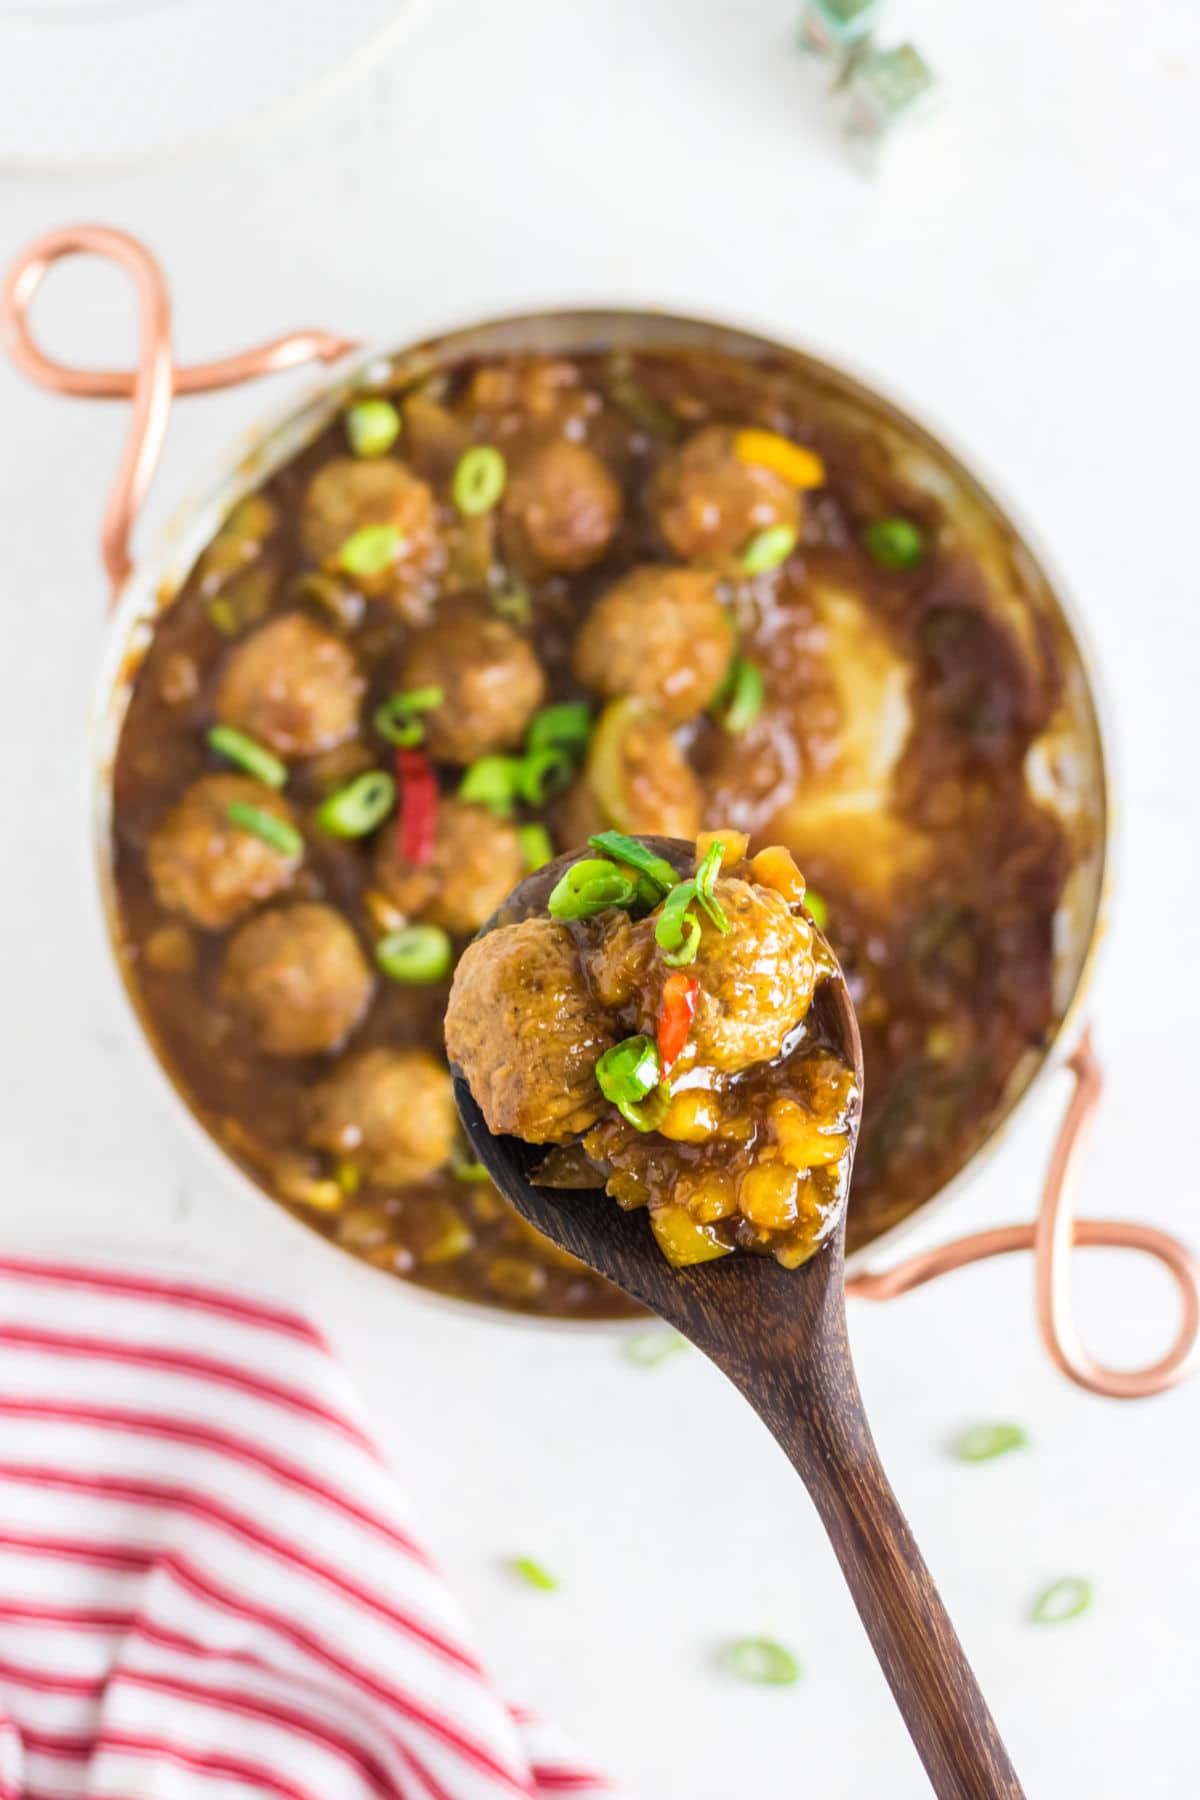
(372,426)
(590,886)
(372,549)
(533,1574)
(894,543)
(763,1661)
(415,954)
(241,750)
(536,847)
(740,697)
(647,1349)
(979,1443)
(398,718)
(261,824)
(359,807)
(479,480)
(769,548)
(1062,1600)
(565,726)
(494,782)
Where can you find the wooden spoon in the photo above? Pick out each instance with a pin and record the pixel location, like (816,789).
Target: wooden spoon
(780,1337)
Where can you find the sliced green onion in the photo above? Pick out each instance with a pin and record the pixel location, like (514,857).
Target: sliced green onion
(223,616)
(513,603)
(277,832)
(332,594)
(237,748)
(590,886)
(372,549)
(468,1171)
(536,847)
(415,953)
(348,1176)
(494,782)
(630,1075)
(979,1443)
(763,1661)
(628,850)
(566,726)
(818,908)
(1062,1600)
(359,807)
(533,1574)
(372,427)
(894,543)
(647,1349)
(676,930)
(542,774)
(647,1114)
(689,944)
(740,697)
(706,878)
(478,480)
(767,549)
(398,719)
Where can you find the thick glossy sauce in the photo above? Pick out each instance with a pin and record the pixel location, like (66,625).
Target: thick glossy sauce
(888,755)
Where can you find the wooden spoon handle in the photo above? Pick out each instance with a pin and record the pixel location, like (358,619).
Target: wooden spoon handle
(917,1646)
(790,1356)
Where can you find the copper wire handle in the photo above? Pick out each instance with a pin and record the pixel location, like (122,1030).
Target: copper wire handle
(1051,1238)
(155,381)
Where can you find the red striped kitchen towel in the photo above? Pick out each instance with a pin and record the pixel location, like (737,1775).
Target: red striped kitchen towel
(209,1580)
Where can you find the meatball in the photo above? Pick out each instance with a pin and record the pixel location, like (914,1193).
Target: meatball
(636,778)
(346,494)
(475,864)
(211,870)
(756,980)
(560,509)
(391,1112)
(491,679)
(298,977)
(662,635)
(526,1034)
(708,503)
(291,686)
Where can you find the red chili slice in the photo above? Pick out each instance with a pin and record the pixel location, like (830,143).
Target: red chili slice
(418,805)
(679,996)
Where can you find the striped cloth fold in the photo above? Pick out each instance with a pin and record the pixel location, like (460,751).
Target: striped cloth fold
(210,1583)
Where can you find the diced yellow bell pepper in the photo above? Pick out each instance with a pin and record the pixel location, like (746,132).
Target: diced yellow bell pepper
(683,1239)
(768,450)
(775,867)
(736,845)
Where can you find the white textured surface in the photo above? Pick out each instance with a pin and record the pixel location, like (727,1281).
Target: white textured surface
(87,83)
(1026,268)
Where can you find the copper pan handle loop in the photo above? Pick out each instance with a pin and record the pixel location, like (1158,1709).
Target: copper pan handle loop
(156,379)
(1051,1238)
